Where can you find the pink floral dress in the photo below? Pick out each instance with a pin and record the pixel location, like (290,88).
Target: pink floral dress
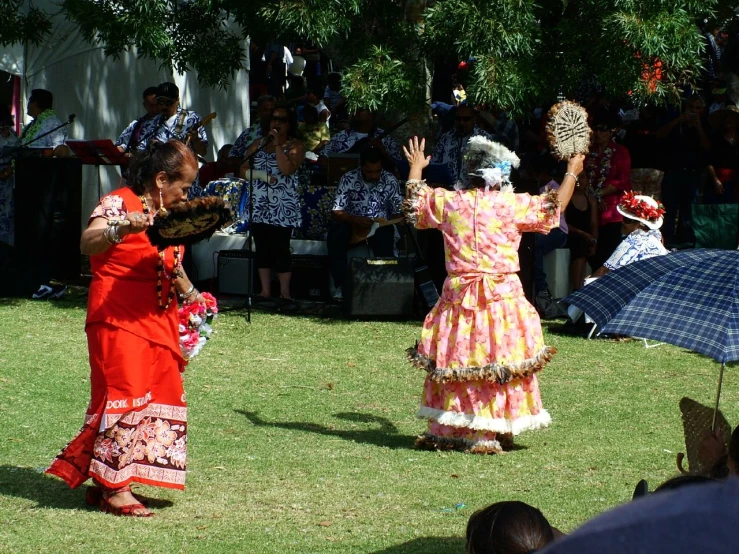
(481,345)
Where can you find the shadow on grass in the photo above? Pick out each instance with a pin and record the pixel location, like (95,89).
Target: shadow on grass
(427,545)
(49,492)
(387,434)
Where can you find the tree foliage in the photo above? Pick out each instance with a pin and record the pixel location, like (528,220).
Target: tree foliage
(524,50)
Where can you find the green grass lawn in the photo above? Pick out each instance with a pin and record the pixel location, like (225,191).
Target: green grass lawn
(301,439)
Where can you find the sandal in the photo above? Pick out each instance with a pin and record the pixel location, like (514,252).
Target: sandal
(129,510)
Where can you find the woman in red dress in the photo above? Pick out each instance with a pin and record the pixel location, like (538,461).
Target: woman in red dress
(136,423)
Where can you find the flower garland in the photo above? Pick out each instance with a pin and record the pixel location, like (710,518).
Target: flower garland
(32,129)
(641,208)
(596,185)
(194,325)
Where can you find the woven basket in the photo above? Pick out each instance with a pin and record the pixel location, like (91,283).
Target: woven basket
(568,130)
(697,419)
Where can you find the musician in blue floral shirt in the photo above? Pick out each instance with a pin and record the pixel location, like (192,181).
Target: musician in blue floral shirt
(363,127)
(140,131)
(368,201)
(176,122)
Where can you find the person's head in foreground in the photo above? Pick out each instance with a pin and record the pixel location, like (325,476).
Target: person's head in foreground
(640,212)
(510,527)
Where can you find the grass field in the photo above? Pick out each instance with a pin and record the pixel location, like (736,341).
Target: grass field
(301,439)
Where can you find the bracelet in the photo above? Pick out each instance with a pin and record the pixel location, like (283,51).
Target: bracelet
(111,235)
(194,294)
(189,292)
(572,175)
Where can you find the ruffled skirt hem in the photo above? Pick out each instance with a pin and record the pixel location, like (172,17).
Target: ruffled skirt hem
(477,423)
(494,372)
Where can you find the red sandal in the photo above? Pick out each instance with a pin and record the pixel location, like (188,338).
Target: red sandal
(103,501)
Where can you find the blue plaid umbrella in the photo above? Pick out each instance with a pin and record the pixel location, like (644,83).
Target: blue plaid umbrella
(689,299)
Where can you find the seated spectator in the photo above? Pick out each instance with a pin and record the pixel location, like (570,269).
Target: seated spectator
(296,92)
(508,528)
(582,236)
(333,98)
(367,199)
(313,98)
(642,220)
(541,170)
(314,133)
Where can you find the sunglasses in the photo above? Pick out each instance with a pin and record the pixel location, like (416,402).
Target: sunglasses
(602,128)
(164,102)
(465,119)
(279,119)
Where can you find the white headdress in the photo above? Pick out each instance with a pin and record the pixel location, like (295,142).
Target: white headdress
(491,161)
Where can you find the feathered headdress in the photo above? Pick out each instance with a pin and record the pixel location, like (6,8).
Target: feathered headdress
(491,161)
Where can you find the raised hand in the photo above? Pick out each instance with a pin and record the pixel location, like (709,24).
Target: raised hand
(416,157)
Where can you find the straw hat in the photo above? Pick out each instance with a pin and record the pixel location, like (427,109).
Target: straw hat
(643,209)
(717,118)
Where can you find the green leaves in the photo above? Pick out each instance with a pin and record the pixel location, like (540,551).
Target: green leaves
(380,80)
(526,51)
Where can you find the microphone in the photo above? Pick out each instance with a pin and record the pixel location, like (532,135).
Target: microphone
(71,117)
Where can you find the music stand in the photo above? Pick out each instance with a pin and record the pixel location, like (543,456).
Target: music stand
(97,153)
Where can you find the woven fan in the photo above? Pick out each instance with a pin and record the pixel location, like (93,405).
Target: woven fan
(190,222)
(568,130)
(697,419)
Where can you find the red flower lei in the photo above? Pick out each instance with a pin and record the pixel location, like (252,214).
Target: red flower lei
(641,208)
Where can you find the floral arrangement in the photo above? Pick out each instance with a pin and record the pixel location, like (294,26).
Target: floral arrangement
(195,329)
(642,209)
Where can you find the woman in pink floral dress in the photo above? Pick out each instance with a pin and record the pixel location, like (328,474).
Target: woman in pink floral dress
(482,345)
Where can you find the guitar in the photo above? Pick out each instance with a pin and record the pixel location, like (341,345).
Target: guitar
(359,234)
(202,123)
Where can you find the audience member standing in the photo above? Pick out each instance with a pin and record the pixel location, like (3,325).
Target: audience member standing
(607,173)
(686,147)
(723,158)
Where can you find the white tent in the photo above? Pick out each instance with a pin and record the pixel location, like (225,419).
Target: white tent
(105,93)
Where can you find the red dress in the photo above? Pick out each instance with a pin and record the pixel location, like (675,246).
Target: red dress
(136,423)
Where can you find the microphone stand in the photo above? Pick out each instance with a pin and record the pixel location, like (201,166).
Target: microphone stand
(249,233)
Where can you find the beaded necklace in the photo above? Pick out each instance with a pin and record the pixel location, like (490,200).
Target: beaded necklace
(603,169)
(161,273)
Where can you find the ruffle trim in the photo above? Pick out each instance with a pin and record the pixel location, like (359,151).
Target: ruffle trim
(429,441)
(477,423)
(412,202)
(500,373)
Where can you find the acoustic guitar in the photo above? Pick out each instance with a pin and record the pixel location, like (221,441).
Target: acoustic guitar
(202,123)
(359,233)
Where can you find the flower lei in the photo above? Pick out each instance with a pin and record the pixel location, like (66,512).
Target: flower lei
(32,129)
(596,185)
(641,208)
(194,325)
(161,273)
